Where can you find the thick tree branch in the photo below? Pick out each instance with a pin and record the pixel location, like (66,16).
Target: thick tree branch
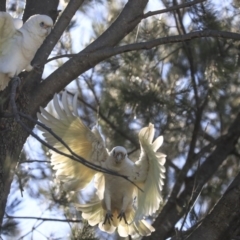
(62,23)
(3,5)
(128,19)
(224,219)
(39,7)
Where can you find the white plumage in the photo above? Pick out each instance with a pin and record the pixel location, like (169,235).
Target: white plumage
(118,204)
(19,43)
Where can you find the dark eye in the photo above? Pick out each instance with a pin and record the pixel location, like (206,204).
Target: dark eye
(41,24)
(113,152)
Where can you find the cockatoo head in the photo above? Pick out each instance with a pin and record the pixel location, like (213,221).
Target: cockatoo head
(39,25)
(118,154)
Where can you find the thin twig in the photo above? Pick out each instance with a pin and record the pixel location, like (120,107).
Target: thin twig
(45,219)
(74,157)
(173,8)
(105,119)
(32,161)
(190,155)
(61,56)
(189,57)
(19,182)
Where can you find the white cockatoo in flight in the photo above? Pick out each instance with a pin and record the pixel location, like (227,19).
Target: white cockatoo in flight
(19,43)
(118,204)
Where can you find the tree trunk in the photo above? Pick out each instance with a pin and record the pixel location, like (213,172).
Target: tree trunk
(12,136)
(3,5)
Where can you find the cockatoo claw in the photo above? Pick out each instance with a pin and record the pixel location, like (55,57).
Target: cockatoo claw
(122,216)
(38,68)
(16,79)
(108,218)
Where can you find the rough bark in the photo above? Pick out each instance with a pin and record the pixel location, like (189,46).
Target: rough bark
(46,7)
(3,5)
(223,221)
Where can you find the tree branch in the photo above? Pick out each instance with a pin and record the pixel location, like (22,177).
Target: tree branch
(174,39)
(62,23)
(173,8)
(39,7)
(189,55)
(32,161)
(61,56)
(46,219)
(3,5)
(190,157)
(224,219)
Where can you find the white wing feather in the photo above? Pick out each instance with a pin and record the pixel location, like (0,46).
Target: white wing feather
(82,141)
(149,173)
(18,23)
(7,29)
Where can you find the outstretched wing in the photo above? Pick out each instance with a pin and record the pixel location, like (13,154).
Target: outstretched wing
(149,172)
(8,27)
(81,140)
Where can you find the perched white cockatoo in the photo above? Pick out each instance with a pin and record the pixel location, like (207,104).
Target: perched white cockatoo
(19,43)
(118,204)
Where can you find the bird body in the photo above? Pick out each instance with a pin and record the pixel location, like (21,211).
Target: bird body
(118,204)
(122,199)
(18,46)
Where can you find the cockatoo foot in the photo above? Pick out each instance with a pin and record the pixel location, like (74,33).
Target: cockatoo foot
(38,68)
(16,79)
(108,218)
(122,216)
